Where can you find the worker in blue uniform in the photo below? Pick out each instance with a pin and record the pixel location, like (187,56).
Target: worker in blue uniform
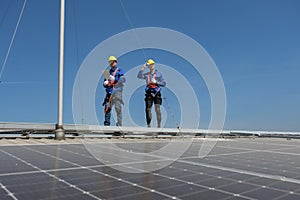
(113,85)
(154,82)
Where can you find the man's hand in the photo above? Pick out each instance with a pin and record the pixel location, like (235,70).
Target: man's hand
(111,78)
(144,67)
(153,81)
(106,83)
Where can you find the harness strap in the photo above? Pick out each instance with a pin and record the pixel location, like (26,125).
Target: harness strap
(114,74)
(108,104)
(149,84)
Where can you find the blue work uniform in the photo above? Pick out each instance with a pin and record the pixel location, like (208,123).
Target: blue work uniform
(158,77)
(119,81)
(114,96)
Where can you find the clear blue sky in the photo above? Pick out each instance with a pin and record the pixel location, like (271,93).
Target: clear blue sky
(255,44)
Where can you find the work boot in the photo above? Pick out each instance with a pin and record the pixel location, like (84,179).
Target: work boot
(106,123)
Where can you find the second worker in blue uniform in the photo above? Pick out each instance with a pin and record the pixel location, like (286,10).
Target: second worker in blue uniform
(154,82)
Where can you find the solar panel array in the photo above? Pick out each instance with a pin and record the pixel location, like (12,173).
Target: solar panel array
(235,169)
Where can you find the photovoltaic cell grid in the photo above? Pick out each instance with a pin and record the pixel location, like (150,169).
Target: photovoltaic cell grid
(261,168)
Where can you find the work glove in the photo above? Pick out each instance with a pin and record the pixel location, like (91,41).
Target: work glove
(105,82)
(153,81)
(111,77)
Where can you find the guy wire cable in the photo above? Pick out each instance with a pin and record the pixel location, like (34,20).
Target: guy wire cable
(12,39)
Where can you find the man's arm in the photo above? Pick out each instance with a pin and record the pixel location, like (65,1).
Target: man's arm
(122,78)
(161,81)
(108,82)
(141,74)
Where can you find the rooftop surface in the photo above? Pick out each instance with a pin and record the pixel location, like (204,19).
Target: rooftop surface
(239,168)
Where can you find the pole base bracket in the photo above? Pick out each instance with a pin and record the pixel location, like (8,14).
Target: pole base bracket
(59,132)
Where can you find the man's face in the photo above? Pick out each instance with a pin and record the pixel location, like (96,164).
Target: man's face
(151,67)
(112,63)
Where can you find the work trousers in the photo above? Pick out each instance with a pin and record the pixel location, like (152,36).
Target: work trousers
(116,102)
(151,98)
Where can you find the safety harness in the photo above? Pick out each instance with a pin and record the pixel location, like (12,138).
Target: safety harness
(110,95)
(149,83)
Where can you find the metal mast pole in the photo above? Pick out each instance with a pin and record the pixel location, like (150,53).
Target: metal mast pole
(59,132)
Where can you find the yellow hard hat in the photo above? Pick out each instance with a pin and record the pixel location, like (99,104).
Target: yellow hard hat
(150,62)
(112,58)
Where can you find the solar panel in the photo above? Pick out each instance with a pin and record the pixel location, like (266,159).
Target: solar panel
(239,168)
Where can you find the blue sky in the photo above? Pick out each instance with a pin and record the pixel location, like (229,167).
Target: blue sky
(255,45)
